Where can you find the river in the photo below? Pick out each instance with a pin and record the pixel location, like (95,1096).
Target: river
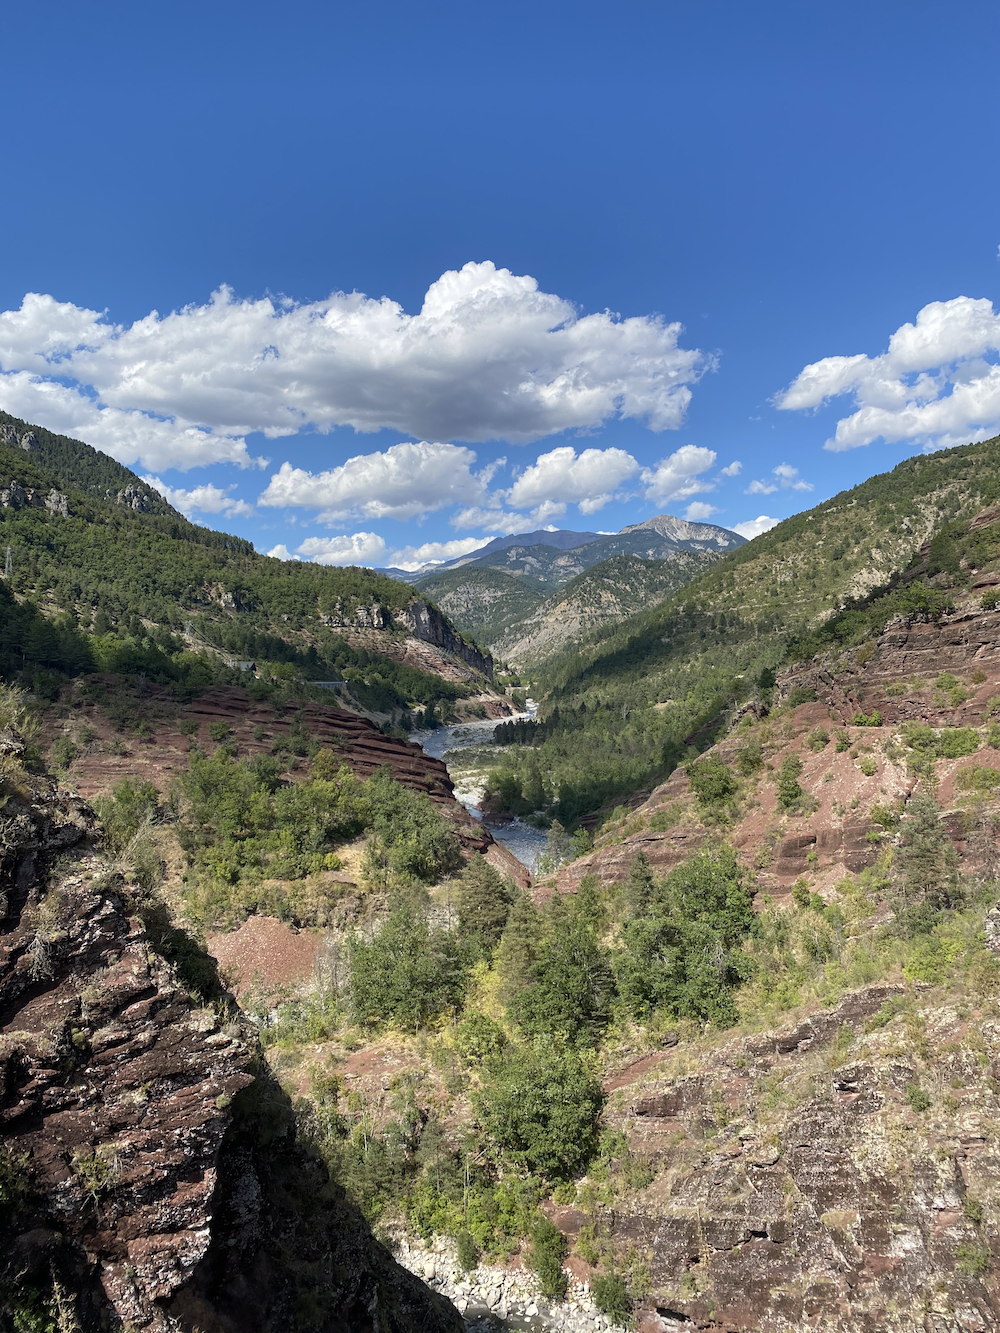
(458,746)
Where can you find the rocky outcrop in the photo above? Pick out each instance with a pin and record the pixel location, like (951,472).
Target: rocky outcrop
(425,622)
(139,498)
(18,439)
(801,1183)
(150,1174)
(16,496)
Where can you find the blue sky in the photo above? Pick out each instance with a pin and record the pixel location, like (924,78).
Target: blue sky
(789,182)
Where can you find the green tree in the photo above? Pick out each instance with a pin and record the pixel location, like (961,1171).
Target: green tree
(570,987)
(484,903)
(683,954)
(925,867)
(540,1107)
(519,946)
(408,974)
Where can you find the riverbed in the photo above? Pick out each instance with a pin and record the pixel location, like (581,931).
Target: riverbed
(462,748)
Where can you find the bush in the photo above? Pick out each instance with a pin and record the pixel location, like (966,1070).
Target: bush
(818,739)
(917,1097)
(711,780)
(750,757)
(63,752)
(541,1106)
(976,778)
(467,1251)
(610,1295)
(872,719)
(548,1250)
(800,695)
(789,791)
(974,1258)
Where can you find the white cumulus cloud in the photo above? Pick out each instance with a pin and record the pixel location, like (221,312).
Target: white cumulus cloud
(733,470)
(680,475)
(433,553)
(488,356)
(934,385)
(405,481)
(562,476)
(698,510)
(206,499)
(360,548)
(788,479)
(753,527)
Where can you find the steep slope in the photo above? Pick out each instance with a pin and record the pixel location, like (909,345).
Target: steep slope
(82,467)
(483,603)
(150,1175)
(603,595)
(636,696)
(135,577)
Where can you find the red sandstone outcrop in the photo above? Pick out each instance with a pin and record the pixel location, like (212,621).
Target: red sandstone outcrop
(797,1187)
(125,1176)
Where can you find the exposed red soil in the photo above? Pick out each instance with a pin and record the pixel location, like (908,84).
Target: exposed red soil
(266,953)
(895,677)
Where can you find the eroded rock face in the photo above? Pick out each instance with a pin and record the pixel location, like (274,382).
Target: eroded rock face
(798,1186)
(16,496)
(130,1189)
(426,623)
(114,1088)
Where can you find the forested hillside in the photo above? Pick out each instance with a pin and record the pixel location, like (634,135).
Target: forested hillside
(482,602)
(108,576)
(605,594)
(624,706)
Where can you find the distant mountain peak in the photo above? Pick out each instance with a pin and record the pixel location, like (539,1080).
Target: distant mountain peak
(682,530)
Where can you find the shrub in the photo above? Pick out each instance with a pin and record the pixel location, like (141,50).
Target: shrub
(973,1209)
(872,719)
(711,780)
(610,1295)
(64,752)
(886,816)
(479,1039)
(789,791)
(662,820)
(955,742)
(548,1249)
(818,739)
(976,778)
(974,1258)
(800,695)
(750,757)
(467,1251)
(917,1097)
(843,741)
(540,1106)
(868,765)
(219,730)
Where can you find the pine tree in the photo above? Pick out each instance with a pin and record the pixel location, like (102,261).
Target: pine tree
(519,947)
(484,903)
(925,867)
